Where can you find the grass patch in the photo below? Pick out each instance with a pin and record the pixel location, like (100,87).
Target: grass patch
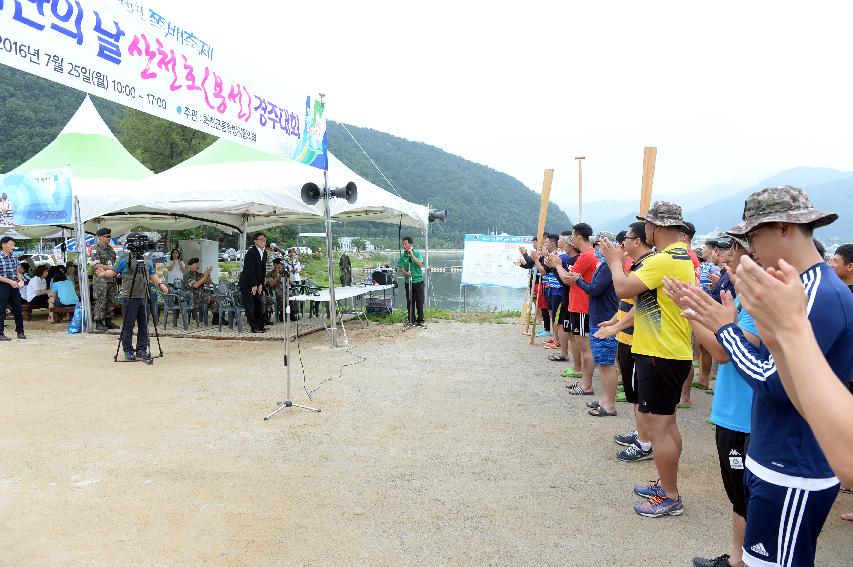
(437,314)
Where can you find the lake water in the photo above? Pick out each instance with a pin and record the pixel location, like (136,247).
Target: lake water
(444,287)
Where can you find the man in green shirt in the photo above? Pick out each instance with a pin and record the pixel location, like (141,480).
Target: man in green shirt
(411,266)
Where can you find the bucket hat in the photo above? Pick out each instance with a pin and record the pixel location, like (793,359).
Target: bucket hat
(780,204)
(664,213)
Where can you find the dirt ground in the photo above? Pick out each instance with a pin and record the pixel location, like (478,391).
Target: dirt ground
(452,445)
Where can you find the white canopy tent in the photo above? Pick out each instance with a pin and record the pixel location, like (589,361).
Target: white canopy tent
(240,188)
(104,176)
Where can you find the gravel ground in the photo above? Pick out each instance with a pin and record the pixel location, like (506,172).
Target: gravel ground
(452,445)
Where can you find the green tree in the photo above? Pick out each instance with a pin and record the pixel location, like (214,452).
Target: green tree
(359,244)
(157,143)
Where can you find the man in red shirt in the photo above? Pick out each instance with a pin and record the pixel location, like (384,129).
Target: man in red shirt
(578,322)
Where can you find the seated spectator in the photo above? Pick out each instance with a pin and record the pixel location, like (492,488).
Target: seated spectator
(195,281)
(36,293)
(71,274)
(62,293)
(24,271)
(175,268)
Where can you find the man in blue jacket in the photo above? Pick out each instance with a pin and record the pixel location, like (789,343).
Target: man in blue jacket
(788,482)
(603,305)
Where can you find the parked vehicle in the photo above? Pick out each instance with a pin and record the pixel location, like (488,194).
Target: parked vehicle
(227,255)
(37,260)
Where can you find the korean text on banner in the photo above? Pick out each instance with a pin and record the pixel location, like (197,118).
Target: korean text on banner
(132,53)
(488,260)
(35,198)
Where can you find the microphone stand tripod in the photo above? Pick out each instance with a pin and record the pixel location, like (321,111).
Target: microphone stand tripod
(287,403)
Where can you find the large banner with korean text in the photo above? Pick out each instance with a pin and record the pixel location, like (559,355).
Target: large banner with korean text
(131,52)
(489,260)
(35,198)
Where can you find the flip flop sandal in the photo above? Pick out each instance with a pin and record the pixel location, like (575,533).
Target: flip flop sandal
(552,346)
(569,373)
(601,412)
(557,358)
(593,405)
(572,385)
(683,405)
(698,385)
(710,391)
(578,391)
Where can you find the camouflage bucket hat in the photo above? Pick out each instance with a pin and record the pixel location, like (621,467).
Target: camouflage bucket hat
(780,204)
(664,213)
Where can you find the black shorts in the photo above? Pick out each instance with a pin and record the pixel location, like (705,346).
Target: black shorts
(625,359)
(659,382)
(554,302)
(731,449)
(577,324)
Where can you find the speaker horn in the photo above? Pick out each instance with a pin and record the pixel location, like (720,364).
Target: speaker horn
(349,192)
(437,215)
(310,193)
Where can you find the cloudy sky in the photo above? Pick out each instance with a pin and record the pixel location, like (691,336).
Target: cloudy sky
(725,90)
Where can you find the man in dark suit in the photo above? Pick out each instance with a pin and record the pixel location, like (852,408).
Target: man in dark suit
(252,281)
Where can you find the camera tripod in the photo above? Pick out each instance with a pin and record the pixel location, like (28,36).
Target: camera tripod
(287,403)
(139,269)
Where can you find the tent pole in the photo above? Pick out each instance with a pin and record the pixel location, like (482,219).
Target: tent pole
(333,310)
(242,243)
(426,260)
(83,269)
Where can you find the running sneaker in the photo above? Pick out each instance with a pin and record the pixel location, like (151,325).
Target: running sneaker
(660,506)
(650,490)
(627,439)
(129,356)
(721,561)
(634,453)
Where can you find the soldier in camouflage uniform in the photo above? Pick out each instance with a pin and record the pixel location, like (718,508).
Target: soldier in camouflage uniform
(272,281)
(104,288)
(195,281)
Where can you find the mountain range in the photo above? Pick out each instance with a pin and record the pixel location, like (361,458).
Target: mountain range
(829,189)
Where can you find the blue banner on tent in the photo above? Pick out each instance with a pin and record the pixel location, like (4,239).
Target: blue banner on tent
(35,198)
(71,244)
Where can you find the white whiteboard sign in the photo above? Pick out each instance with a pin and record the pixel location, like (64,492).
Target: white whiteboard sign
(488,260)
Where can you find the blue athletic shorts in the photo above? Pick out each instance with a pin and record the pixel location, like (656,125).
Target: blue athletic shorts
(783,524)
(603,350)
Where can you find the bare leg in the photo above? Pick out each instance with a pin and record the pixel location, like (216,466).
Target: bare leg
(685,388)
(608,384)
(666,439)
(738,531)
(705,361)
(576,352)
(586,362)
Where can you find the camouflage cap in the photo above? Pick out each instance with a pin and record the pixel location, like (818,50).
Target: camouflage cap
(780,204)
(741,242)
(602,235)
(664,213)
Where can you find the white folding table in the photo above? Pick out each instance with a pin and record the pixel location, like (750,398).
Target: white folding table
(341,293)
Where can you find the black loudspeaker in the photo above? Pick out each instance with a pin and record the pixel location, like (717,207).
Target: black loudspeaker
(349,192)
(437,215)
(310,194)
(383,277)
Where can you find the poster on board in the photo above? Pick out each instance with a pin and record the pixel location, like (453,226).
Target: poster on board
(488,260)
(134,53)
(35,198)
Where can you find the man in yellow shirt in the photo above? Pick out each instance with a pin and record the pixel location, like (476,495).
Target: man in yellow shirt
(661,346)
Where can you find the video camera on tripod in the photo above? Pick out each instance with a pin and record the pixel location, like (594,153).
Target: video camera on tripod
(138,244)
